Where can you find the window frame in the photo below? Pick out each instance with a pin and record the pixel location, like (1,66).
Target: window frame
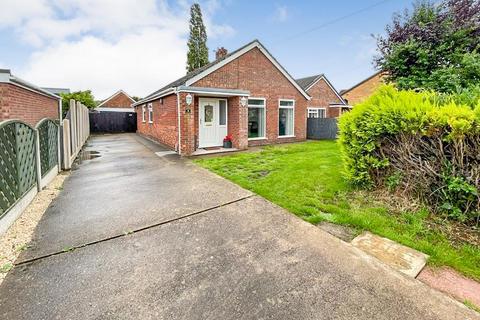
(226,113)
(293,118)
(143,113)
(316,109)
(150,112)
(264,107)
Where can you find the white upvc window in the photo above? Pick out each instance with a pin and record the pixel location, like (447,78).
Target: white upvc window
(150,113)
(317,113)
(286,118)
(256,118)
(143,113)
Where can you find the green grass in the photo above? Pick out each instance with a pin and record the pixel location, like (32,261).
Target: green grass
(6,267)
(306,179)
(471,305)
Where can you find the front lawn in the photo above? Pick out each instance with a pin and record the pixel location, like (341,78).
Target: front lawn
(305,178)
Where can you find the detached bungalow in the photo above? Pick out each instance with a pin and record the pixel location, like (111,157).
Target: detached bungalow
(325,100)
(245,94)
(120,101)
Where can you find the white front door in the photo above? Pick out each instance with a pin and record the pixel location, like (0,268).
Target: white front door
(212,122)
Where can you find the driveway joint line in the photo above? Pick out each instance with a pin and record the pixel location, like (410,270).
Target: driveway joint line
(130,232)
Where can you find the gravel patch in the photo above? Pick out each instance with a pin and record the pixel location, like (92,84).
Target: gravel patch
(19,235)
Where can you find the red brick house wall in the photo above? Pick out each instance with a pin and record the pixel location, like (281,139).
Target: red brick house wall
(322,96)
(254,72)
(121,100)
(364,89)
(26,105)
(164,126)
(251,71)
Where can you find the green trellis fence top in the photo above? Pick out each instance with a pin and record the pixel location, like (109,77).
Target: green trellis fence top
(17,162)
(48,138)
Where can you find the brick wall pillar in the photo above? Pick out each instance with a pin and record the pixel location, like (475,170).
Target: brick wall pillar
(187,125)
(238,123)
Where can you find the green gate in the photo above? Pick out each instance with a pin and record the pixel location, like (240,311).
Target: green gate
(17,162)
(48,138)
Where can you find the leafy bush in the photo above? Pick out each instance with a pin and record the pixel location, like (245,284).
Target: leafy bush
(85,97)
(467,96)
(420,143)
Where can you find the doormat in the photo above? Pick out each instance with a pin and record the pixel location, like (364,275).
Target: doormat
(212,148)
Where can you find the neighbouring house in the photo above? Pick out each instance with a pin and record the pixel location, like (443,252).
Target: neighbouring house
(325,101)
(120,101)
(245,94)
(114,114)
(24,101)
(57,91)
(363,89)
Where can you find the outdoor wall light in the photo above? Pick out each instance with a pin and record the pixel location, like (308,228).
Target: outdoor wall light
(243,101)
(188,99)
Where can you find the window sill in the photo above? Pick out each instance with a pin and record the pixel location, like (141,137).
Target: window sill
(280,137)
(150,122)
(259,138)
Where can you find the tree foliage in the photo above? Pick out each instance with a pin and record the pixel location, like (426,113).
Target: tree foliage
(434,46)
(197,55)
(86,97)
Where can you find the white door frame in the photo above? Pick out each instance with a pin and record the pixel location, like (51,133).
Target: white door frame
(220,131)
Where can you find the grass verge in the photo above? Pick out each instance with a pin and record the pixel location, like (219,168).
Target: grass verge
(305,178)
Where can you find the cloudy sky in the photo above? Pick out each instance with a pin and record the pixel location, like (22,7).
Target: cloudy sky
(140,45)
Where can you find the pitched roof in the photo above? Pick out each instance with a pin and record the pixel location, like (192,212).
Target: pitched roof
(212,66)
(306,82)
(6,76)
(57,91)
(361,82)
(114,95)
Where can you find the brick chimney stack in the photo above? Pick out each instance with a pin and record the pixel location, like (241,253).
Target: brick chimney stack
(220,53)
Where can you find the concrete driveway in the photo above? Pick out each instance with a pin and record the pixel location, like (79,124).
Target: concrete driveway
(157,237)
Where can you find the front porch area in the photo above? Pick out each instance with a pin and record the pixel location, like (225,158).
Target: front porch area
(208,116)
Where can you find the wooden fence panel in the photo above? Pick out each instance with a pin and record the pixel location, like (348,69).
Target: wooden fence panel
(48,139)
(18,169)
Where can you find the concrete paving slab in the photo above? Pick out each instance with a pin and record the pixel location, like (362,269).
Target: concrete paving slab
(342,232)
(395,255)
(125,187)
(247,260)
(452,283)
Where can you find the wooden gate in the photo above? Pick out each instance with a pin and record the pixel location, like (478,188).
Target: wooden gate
(322,128)
(112,122)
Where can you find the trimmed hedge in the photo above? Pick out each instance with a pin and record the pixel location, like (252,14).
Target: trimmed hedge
(418,143)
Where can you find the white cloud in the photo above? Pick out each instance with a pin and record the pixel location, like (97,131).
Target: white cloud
(280,14)
(219,30)
(137,63)
(105,45)
(15,12)
(364,46)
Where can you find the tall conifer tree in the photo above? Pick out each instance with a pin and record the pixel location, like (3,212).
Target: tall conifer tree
(197,55)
